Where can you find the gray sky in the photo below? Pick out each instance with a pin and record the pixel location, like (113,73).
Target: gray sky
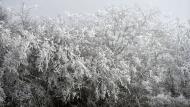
(176,8)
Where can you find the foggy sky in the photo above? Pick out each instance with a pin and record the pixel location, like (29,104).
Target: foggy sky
(176,8)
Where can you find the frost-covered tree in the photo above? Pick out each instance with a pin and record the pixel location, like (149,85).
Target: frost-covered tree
(115,57)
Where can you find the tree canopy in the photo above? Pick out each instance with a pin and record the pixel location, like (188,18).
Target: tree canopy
(118,57)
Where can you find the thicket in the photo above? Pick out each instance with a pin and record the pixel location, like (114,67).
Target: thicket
(118,57)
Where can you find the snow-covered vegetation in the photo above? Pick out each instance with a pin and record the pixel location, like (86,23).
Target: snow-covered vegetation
(118,57)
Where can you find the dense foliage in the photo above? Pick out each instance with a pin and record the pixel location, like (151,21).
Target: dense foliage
(118,57)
